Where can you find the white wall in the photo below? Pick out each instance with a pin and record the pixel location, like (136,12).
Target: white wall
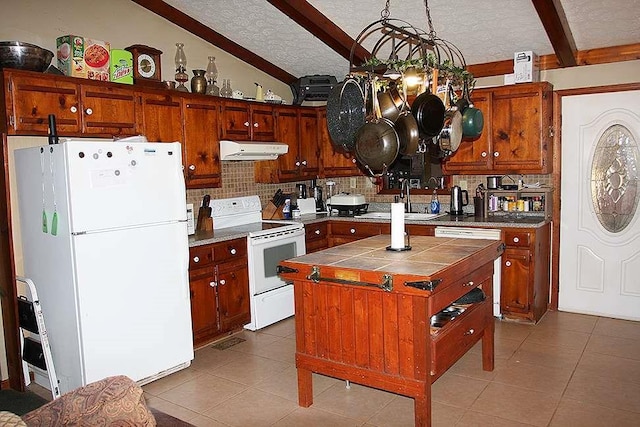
(123,23)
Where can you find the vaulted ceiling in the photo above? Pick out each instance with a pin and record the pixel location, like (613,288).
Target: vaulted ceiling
(289,39)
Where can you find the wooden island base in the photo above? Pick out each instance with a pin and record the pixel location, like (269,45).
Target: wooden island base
(362,316)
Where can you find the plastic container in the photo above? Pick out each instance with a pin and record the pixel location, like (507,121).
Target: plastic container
(435,203)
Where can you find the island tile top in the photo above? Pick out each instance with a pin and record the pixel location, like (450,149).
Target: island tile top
(428,255)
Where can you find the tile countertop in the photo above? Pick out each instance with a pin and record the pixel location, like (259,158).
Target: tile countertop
(222,234)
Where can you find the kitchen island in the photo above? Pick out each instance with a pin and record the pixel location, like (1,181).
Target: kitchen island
(363,312)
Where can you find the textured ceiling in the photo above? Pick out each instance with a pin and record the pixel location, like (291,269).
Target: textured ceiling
(485,31)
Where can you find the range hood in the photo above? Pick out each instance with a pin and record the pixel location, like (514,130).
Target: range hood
(251,150)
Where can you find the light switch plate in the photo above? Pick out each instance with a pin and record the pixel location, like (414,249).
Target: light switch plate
(352,182)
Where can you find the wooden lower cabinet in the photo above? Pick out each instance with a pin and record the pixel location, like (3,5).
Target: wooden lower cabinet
(420,230)
(525,273)
(219,288)
(349,231)
(316,236)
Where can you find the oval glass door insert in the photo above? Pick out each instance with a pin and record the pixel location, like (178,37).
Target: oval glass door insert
(614,178)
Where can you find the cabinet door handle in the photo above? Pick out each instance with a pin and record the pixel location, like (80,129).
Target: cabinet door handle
(516,240)
(297,163)
(508,263)
(196,259)
(469,283)
(223,282)
(246,124)
(496,154)
(469,332)
(483,154)
(88,111)
(304,163)
(353,231)
(317,232)
(233,251)
(213,284)
(73,109)
(192,167)
(255,125)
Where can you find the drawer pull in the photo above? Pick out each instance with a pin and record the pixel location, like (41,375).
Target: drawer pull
(508,263)
(425,285)
(352,231)
(73,109)
(469,283)
(317,232)
(516,239)
(469,332)
(196,259)
(386,285)
(222,282)
(233,251)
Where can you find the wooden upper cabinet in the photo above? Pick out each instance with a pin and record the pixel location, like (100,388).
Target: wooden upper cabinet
(309,150)
(247,121)
(161,116)
(108,110)
(30,99)
(94,108)
(289,133)
(517,134)
(201,148)
(262,122)
(334,162)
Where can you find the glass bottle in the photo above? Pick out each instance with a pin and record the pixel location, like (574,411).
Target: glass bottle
(435,203)
(223,91)
(212,77)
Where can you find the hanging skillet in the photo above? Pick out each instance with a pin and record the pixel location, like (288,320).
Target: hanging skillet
(451,134)
(377,144)
(428,110)
(345,113)
(407,128)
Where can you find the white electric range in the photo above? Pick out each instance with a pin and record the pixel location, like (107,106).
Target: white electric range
(268,243)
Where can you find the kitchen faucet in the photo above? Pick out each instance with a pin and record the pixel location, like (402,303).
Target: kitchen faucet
(407,203)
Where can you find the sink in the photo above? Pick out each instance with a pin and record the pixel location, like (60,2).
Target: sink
(414,216)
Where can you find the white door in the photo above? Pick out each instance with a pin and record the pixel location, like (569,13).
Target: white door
(599,224)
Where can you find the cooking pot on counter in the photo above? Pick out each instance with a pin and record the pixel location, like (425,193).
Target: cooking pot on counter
(494,182)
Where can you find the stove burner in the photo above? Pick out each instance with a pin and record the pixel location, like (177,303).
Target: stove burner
(347,210)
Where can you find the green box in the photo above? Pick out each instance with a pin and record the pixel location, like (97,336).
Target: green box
(121,68)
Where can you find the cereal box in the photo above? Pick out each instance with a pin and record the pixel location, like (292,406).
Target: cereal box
(121,69)
(83,57)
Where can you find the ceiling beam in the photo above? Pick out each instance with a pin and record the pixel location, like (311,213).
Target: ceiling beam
(207,34)
(555,24)
(310,19)
(604,55)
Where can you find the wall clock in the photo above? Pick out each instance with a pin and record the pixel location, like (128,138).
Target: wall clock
(146,64)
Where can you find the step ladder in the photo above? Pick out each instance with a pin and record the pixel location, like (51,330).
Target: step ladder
(34,341)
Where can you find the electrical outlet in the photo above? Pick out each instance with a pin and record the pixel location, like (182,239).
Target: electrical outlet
(352,182)
(463,185)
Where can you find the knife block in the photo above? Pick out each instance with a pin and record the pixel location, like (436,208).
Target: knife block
(205,222)
(271,211)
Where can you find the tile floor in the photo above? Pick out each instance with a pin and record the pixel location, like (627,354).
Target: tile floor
(569,370)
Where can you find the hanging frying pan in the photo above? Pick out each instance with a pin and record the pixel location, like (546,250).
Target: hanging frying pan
(451,134)
(428,110)
(407,129)
(377,144)
(345,113)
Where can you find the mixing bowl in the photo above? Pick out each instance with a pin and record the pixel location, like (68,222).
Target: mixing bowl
(24,56)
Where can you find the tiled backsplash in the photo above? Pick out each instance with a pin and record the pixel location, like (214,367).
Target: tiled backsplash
(238,180)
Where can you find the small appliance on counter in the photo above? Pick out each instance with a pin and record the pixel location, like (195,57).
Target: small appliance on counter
(457,202)
(347,204)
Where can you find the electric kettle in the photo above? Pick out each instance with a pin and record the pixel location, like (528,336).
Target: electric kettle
(455,207)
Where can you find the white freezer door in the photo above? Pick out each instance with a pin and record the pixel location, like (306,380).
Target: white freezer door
(119,184)
(133,301)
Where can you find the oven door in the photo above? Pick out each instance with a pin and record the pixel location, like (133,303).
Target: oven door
(266,252)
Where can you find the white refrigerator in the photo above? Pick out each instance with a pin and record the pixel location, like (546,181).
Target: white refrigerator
(104,232)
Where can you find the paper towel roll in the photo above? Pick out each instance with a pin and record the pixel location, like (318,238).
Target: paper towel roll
(397,226)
